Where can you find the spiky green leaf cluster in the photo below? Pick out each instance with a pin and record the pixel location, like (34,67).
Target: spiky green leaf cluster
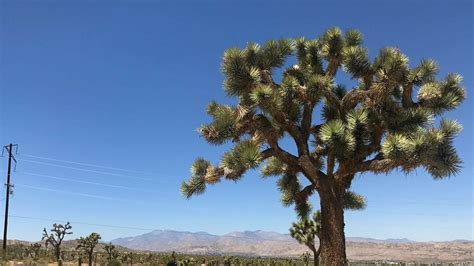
(289,186)
(273,167)
(308,54)
(316,87)
(391,66)
(353,38)
(337,137)
(397,146)
(356,61)
(222,127)
(425,72)
(303,208)
(245,155)
(244,68)
(332,44)
(197,183)
(398,120)
(431,148)
(442,96)
(266,98)
(357,121)
(353,201)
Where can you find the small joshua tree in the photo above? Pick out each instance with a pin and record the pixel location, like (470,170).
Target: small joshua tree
(34,250)
(77,256)
(173,260)
(128,257)
(111,252)
(305,257)
(306,230)
(55,239)
(87,245)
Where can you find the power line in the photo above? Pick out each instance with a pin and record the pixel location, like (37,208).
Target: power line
(82,169)
(88,164)
(124,187)
(427,203)
(94,196)
(87,182)
(134,171)
(84,194)
(83,223)
(415,214)
(146,190)
(152,191)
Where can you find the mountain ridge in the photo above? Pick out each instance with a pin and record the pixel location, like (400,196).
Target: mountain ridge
(349,239)
(274,244)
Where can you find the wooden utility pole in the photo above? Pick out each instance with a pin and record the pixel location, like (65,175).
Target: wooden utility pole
(9,149)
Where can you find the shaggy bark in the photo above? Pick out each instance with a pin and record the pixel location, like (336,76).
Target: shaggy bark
(333,244)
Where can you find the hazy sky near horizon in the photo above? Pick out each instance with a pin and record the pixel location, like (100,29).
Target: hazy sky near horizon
(124,84)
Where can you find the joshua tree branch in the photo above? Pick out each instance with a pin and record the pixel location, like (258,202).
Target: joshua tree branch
(407,100)
(306,120)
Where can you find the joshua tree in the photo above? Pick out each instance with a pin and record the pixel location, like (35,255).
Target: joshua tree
(111,252)
(173,260)
(129,257)
(236,261)
(77,256)
(33,251)
(87,245)
(305,257)
(55,239)
(124,258)
(375,126)
(306,230)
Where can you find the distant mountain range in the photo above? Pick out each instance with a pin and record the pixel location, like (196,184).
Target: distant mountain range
(264,243)
(260,243)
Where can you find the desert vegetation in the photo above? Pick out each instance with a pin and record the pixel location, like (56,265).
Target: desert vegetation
(108,254)
(19,254)
(89,250)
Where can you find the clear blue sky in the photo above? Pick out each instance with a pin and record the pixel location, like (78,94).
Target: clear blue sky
(125,84)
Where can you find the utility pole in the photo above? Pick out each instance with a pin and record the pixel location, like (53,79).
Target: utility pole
(9,149)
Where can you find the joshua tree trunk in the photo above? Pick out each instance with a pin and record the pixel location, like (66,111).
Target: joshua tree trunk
(332,239)
(315,255)
(315,259)
(57,253)
(90,259)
